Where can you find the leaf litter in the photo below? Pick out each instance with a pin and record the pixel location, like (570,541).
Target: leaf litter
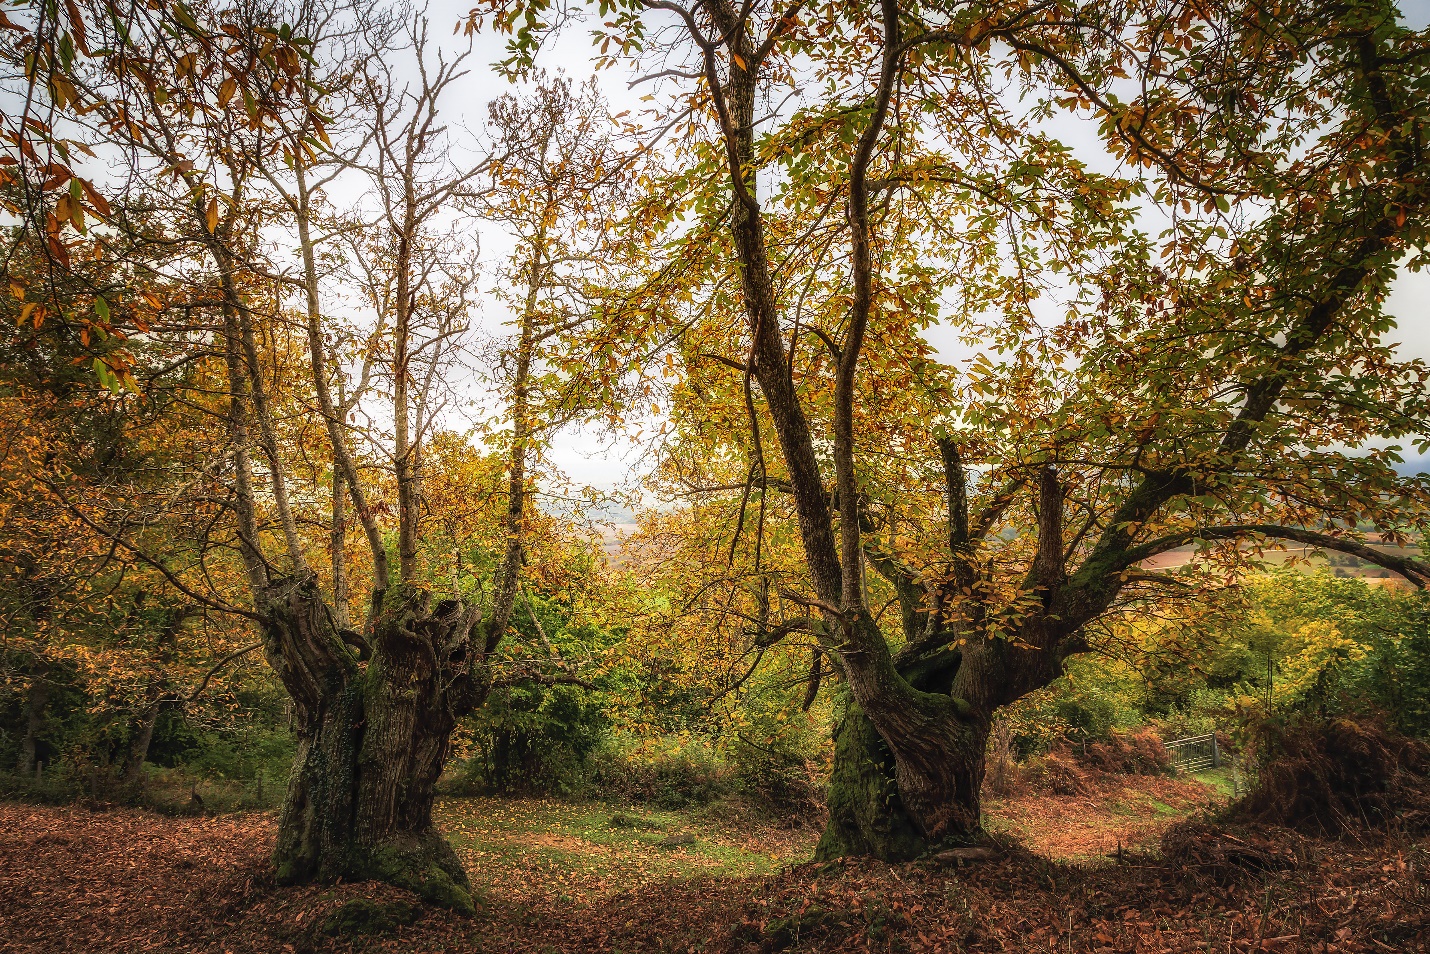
(121,880)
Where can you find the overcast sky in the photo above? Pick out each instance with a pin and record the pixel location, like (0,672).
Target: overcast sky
(597,459)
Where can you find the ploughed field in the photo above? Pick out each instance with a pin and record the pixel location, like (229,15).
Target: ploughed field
(557,876)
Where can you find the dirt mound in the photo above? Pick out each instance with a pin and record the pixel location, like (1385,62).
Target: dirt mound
(1333,776)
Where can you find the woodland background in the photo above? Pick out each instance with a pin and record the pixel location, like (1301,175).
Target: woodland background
(1001,390)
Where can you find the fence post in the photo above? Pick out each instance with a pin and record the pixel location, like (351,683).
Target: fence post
(1216,753)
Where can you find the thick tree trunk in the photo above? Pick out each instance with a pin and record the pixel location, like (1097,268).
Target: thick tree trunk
(902,807)
(373,740)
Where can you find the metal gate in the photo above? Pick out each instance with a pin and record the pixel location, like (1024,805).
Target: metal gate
(1194,754)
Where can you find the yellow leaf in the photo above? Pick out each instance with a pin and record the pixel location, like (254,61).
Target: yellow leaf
(226,89)
(212,215)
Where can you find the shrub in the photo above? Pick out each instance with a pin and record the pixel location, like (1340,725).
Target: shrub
(1329,776)
(776,751)
(533,739)
(1059,774)
(670,772)
(1078,770)
(778,779)
(1395,677)
(1094,697)
(1138,752)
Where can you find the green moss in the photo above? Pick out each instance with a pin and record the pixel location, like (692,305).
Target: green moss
(289,871)
(629,820)
(866,816)
(428,868)
(362,916)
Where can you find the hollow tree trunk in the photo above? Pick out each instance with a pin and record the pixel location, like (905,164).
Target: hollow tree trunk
(373,739)
(901,807)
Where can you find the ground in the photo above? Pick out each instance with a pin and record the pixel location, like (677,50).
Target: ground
(561,877)
(1118,813)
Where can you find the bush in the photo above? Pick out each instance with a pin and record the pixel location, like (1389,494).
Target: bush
(1138,752)
(779,779)
(1330,776)
(1068,770)
(1059,774)
(1094,697)
(775,750)
(666,773)
(533,739)
(1395,677)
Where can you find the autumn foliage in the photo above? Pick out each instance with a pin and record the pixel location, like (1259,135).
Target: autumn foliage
(975,360)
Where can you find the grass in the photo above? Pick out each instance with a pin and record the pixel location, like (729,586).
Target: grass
(592,849)
(169,791)
(548,850)
(1221,779)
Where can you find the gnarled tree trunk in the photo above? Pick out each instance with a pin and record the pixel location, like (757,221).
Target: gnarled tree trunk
(906,788)
(908,770)
(900,807)
(866,814)
(373,737)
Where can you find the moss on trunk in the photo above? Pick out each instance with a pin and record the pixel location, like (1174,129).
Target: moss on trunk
(870,815)
(372,741)
(866,815)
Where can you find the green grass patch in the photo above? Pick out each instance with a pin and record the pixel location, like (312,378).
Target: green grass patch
(1221,779)
(589,849)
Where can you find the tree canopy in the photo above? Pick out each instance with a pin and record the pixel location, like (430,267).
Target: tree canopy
(246,282)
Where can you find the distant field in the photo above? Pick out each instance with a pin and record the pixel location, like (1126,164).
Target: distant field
(1307,558)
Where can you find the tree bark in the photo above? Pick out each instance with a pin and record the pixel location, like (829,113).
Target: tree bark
(337,553)
(35,702)
(372,740)
(139,742)
(866,814)
(901,808)
(907,783)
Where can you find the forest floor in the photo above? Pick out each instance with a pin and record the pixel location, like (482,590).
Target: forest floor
(587,877)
